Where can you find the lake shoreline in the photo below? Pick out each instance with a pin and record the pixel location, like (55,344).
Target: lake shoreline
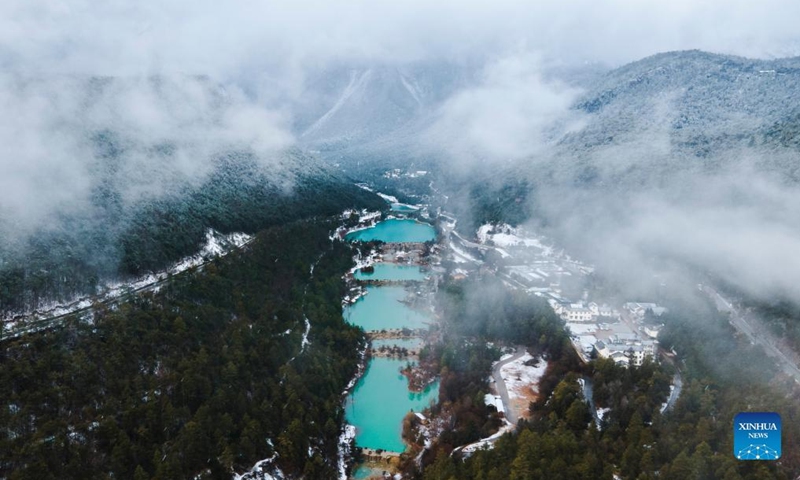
(399,273)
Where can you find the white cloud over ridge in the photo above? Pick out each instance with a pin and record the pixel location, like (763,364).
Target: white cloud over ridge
(511,113)
(165,132)
(230,39)
(266,49)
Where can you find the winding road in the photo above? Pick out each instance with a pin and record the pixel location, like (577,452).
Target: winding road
(511,415)
(755,332)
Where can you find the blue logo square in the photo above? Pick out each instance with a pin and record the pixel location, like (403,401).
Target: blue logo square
(757,436)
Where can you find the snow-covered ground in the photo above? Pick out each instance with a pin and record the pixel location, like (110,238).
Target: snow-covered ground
(460,256)
(405,205)
(305,342)
(361,262)
(366,216)
(485,443)
(522,380)
(388,198)
(262,470)
(601,413)
(216,245)
(345,444)
(505,236)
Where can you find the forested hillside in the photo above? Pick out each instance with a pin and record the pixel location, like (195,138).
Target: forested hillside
(110,240)
(198,380)
(722,376)
(114,176)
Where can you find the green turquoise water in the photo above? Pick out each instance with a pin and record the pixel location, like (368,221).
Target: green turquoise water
(395,230)
(379,402)
(381,309)
(364,471)
(409,343)
(391,271)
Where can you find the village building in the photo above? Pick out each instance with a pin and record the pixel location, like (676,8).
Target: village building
(626,351)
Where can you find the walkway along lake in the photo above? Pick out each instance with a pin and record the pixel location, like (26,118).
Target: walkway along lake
(392,272)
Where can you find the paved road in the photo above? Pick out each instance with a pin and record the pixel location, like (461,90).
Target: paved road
(501,384)
(756,333)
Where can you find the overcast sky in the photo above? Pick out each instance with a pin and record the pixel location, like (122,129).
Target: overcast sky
(508,113)
(233,39)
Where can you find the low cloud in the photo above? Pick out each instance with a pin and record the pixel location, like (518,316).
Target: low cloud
(66,136)
(737,224)
(261,53)
(512,112)
(232,39)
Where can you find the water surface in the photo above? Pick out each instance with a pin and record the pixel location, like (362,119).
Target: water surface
(381,309)
(395,231)
(379,402)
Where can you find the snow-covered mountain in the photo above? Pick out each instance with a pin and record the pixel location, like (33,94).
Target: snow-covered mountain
(694,97)
(684,157)
(355,113)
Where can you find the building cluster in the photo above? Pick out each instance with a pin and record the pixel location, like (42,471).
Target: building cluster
(580,312)
(626,351)
(627,336)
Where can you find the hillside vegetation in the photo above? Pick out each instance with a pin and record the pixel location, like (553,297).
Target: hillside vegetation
(199,380)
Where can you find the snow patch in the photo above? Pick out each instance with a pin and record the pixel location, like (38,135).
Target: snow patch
(412,90)
(460,256)
(262,470)
(507,236)
(520,378)
(304,343)
(357,83)
(345,447)
(485,443)
(216,245)
(601,413)
(388,198)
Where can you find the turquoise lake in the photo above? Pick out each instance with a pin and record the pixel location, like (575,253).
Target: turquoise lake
(395,231)
(391,271)
(381,309)
(363,472)
(379,402)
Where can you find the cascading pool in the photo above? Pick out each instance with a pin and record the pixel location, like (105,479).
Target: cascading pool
(396,231)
